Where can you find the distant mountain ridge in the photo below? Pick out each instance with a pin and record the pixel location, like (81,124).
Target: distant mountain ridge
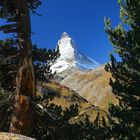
(70,57)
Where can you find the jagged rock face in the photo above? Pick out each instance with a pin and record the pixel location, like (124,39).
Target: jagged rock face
(71,58)
(67,48)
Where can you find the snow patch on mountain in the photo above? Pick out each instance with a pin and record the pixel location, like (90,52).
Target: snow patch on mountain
(70,57)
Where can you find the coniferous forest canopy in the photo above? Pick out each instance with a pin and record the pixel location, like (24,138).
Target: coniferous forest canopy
(34,104)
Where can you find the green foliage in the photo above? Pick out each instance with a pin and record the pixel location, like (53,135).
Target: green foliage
(6,108)
(125,123)
(8,9)
(42,59)
(9,62)
(13,13)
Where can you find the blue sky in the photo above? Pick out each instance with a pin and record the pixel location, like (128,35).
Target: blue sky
(83,20)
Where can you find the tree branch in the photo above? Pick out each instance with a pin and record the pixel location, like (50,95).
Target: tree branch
(7,27)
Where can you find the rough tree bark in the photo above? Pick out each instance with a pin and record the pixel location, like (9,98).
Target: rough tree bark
(23,115)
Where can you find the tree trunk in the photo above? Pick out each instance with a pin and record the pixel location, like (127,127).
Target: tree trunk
(23,115)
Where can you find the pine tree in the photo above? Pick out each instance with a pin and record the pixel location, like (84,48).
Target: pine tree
(17,15)
(125,38)
(9,59)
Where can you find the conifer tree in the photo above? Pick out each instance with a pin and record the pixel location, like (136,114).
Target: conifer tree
(17,15)
(9,60)
(125,38)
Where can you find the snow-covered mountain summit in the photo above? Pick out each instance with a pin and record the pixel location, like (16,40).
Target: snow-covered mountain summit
(67,48)
(70,57)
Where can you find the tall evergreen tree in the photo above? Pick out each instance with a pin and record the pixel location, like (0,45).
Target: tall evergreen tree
(9,60)
(17,15)
(125,38)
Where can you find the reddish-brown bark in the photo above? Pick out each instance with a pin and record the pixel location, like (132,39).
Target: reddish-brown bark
(22,118)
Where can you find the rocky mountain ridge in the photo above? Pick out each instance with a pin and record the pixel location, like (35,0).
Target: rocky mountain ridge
(82,74)
(71,58)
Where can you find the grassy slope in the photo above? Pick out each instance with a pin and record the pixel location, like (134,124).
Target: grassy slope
(69,97)
(91,92)
(93,86)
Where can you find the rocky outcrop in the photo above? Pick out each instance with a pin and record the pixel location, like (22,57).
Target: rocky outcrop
(10,136)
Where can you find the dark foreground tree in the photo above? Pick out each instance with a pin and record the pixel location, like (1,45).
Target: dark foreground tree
(17,15)
(9,60)
(125,83)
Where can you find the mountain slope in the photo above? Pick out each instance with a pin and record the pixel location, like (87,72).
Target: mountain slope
(70,57)
(92,85)
(65,97)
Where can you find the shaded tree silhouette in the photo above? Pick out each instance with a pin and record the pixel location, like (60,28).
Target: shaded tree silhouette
(125,122)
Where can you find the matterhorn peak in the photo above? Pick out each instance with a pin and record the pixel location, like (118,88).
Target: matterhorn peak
(65,40)
(67,47)
(64,35)
(70,57)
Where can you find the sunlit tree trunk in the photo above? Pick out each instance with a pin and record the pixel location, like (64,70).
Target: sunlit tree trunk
(23,115)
